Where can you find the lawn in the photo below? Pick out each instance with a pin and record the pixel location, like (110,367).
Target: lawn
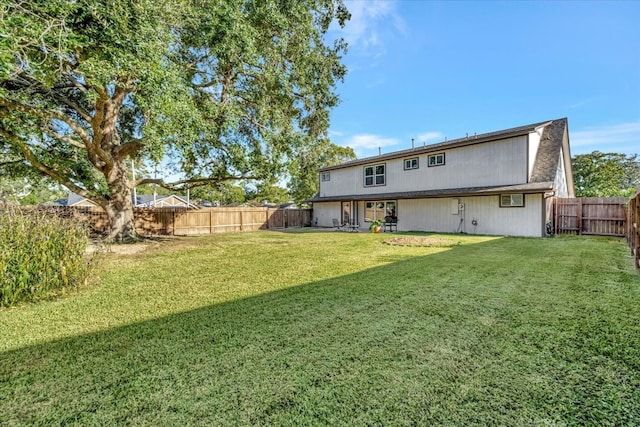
(329,328)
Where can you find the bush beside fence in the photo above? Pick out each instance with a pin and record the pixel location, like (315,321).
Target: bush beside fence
(41,255)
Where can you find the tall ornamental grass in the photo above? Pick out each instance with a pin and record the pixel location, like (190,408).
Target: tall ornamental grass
(41,256)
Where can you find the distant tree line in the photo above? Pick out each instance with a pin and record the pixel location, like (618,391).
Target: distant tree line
(600,174)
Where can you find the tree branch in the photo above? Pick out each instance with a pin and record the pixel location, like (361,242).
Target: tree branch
(41,167)
(129,147)
(56,135)
(187,184)
(47,115)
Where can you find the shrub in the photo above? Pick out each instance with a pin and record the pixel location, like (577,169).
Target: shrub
(41,255)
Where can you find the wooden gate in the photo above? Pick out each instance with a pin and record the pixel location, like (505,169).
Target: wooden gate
(604,216)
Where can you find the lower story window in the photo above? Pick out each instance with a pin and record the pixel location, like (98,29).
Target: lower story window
(379,209)
(511,200)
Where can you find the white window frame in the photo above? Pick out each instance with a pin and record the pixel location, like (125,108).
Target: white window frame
(375,175)
(438,160)
(412,163)
(381,207)
(515,200)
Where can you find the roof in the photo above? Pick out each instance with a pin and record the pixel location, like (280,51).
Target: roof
(548,155)
(538,187)
(455,143)
(141,199)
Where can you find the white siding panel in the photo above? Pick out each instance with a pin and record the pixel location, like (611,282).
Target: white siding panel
(560,183)
(534,143)
(501,162)
(435,215)
(326,212)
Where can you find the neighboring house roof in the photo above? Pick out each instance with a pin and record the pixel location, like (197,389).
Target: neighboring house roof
(149,200)
(141,200)
(74,199)
(553,141)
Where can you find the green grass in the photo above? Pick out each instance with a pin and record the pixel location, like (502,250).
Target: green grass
(316,328)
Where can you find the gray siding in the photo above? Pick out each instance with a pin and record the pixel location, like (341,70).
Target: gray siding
(435,215)
(502,162)
(325,212)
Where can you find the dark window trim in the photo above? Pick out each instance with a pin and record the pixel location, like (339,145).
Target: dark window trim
(364,175)
(327,174)
(436,156)
(511,206)
(404,162)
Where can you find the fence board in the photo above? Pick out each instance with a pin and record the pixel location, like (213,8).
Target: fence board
(183,222)
(633,227)
(604,216)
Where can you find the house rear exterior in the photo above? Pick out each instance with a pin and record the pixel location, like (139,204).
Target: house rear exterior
(499,183)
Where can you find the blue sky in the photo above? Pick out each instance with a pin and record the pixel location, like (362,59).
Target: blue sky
(429,70)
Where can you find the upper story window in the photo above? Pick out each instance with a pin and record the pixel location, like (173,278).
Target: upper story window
(374,175)
(511,200)
(325,176)
(435,159)
(411,163)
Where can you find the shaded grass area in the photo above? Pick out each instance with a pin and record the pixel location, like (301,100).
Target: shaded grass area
(335,328)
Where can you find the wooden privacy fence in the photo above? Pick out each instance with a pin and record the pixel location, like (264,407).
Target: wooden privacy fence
(633,227)
(183,222)
(604,216)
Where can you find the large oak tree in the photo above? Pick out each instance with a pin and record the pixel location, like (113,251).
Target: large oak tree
(227,89)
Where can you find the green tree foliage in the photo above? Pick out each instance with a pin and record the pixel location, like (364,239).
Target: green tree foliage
(267,191)
(223,193)
(606,174)
(303,169)
(25,192)
(229,89)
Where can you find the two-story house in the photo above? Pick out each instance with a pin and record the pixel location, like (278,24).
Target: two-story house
(498,183)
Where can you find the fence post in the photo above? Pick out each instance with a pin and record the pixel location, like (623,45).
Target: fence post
(636,230)
(579,216)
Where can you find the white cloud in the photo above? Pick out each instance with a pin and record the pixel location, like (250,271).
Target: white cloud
(427,136)
(622,133)
(369,23)
(580,104)
(368,142)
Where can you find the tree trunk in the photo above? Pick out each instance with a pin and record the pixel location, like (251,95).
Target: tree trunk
(120,207)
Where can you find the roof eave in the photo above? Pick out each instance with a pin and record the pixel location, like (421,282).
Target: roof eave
(540,187)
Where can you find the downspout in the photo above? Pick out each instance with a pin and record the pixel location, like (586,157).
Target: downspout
(547,195)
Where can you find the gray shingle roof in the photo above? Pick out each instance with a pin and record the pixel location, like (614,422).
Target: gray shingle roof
(548,156)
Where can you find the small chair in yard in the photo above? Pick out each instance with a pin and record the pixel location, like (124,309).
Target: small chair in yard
(337,224)
(390,222)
